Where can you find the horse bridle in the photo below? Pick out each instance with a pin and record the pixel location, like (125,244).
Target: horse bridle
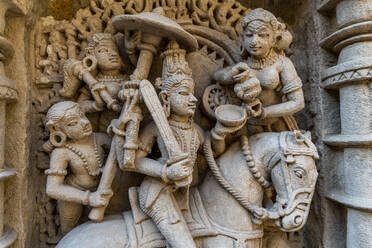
(285,157)
(282,158)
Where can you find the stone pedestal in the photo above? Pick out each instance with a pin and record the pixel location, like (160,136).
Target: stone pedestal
(352,77)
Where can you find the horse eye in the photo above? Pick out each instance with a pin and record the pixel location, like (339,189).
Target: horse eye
(299,173)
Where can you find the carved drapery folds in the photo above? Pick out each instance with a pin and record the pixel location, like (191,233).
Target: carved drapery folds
(352,77)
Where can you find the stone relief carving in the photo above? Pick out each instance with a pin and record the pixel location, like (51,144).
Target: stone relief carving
(76,162)
(252,168)
(267,73)
(8,94)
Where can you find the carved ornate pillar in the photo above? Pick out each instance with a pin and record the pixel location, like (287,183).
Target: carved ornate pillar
(352,77)
(8,93)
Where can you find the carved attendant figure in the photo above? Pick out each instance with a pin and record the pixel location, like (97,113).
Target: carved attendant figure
(264,39)
(75,162)
(102,61)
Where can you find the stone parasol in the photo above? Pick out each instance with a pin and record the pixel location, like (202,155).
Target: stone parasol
(158,25)
(154,26)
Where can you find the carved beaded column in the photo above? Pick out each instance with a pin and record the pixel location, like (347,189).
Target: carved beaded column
(352,77)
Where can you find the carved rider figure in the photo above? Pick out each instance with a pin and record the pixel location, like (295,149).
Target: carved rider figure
(76,159)
(264,41)
(159,195)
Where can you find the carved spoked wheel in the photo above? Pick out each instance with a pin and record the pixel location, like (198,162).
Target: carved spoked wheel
(215,95)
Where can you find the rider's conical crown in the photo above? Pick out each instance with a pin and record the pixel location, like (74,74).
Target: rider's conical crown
(174,64)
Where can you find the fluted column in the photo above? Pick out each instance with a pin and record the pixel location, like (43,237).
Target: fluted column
(352,76)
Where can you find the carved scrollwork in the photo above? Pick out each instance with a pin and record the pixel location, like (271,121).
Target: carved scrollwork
(58,41)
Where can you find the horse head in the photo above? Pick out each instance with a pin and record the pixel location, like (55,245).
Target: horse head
(293,176)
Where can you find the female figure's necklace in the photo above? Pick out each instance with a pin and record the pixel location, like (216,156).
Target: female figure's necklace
(261,63)
(107,78)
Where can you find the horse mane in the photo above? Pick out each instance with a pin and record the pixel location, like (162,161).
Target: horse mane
(275,145)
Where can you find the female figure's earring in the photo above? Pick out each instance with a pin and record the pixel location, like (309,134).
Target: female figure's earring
(243,52)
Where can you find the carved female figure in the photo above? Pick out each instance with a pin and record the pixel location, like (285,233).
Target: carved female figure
(264,39)
(75,162)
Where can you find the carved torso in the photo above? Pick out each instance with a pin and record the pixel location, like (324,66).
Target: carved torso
(271,80)
(84,175)
(113,85)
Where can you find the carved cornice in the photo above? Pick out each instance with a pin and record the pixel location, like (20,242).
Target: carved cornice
(7,173)
(357,140)
(8,90)
(353,201)
(8,238)
(347,35)
(349,72)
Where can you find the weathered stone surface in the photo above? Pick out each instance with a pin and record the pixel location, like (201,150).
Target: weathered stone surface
(56,59)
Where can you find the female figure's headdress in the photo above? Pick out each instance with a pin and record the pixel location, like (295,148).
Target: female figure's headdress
(283,38)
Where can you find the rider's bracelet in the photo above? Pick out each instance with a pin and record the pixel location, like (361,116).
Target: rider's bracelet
(164,173)
(217,136)
(97,107)
(86,197)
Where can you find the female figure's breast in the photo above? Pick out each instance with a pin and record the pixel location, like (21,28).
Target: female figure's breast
(269,78)
(113,88)
(270,81)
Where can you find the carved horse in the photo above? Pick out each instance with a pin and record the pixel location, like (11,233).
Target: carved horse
(226,209)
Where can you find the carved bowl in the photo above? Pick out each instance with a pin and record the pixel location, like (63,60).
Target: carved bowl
(230,115)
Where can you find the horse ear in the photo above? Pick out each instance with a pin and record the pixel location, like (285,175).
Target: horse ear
(307,134)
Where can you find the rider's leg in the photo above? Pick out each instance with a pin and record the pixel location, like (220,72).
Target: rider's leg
(168,218)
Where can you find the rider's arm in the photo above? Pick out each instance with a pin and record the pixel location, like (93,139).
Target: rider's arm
(218,142)
(146,165)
